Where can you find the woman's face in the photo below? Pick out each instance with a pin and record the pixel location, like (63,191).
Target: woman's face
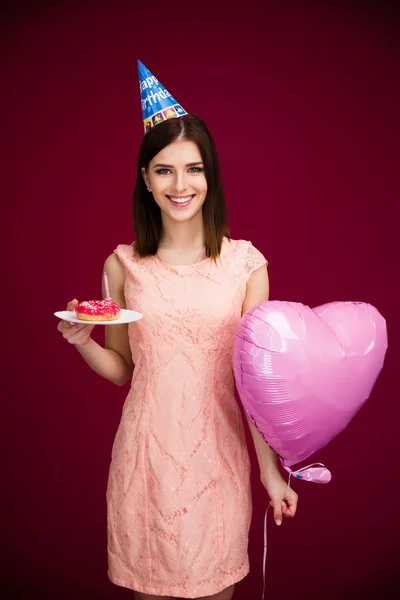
(177,180)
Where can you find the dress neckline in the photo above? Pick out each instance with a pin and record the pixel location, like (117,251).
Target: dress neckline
(189,266)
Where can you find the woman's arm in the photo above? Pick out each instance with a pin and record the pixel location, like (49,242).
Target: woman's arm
(283,499)
(266,457)
(114,361)
(258,291)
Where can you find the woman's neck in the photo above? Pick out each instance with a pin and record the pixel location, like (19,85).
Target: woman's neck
(182,236)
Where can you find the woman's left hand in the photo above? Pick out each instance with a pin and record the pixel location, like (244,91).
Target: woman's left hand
(282,498)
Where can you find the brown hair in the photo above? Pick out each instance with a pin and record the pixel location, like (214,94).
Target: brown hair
(147,213)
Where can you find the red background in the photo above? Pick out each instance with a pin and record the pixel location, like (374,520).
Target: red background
(303,104)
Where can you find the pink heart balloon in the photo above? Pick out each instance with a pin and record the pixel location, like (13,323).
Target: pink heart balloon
(302,373)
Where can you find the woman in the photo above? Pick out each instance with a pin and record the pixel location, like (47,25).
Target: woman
(178,495)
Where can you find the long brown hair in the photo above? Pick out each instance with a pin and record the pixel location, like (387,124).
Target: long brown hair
(146,212)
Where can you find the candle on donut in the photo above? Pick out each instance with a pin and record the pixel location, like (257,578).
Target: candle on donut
(106,286)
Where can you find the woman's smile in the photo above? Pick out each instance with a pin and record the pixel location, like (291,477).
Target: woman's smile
(180,201)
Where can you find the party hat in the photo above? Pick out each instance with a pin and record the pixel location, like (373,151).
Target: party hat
(157,103)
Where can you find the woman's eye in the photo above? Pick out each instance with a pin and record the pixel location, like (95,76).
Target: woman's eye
(163,171)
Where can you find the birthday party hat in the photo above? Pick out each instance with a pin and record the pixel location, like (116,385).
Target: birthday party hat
(157,103)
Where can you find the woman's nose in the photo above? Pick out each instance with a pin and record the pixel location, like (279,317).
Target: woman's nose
(180,182)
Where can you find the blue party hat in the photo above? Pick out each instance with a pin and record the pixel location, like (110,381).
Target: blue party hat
(157,103)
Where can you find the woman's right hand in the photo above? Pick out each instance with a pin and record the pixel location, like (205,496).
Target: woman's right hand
(75,333)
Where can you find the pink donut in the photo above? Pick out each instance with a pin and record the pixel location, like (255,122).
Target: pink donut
(98,310)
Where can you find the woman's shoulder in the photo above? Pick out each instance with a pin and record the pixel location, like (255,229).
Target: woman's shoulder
(252,257)
(240,245)
(125,251)
(235,244)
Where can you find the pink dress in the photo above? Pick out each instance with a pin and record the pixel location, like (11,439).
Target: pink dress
(178,494)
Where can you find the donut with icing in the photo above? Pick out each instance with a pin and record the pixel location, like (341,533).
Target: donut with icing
(98,310)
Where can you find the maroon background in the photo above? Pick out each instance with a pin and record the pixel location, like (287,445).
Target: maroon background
(303,104)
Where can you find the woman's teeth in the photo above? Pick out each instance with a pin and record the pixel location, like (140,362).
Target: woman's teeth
(178,200)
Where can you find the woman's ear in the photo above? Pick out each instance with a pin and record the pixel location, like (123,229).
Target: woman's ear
(145,177)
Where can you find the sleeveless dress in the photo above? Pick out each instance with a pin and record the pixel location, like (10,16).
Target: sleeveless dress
(178,493)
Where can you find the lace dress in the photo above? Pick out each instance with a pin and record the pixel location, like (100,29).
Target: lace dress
(178,494)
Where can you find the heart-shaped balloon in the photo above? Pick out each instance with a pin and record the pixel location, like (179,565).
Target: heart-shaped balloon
(302,373)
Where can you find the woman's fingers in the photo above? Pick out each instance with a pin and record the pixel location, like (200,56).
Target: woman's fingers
(72,304)
(74,333)
(289,507)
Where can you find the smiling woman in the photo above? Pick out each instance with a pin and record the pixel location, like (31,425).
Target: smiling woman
(179,180)
(178,494)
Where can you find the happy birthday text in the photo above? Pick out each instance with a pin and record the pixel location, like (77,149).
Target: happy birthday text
(152,96)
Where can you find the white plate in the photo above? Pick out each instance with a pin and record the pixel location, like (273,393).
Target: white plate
(126,316)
